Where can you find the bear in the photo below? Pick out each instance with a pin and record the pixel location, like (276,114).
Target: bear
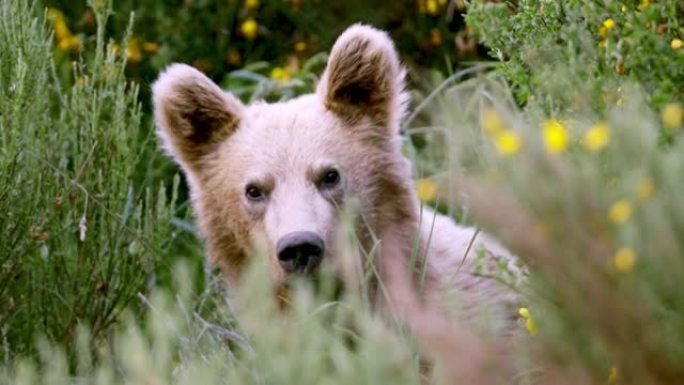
(273,179)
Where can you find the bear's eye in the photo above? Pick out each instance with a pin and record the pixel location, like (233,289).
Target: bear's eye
(330,179)
(253,193)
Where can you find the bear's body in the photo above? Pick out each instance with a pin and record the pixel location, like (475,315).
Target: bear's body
(273,179)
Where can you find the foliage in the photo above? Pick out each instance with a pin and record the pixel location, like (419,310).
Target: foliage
(602,44)
(80,234)
(590,201)
(219,36)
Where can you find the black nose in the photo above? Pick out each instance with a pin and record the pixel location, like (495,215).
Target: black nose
(300,251)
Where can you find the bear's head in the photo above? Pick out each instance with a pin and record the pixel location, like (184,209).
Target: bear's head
(272,178)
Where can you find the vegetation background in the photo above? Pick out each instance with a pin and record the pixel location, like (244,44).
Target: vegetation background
(554,125)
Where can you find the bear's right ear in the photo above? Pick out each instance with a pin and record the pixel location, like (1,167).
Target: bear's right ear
(192,113)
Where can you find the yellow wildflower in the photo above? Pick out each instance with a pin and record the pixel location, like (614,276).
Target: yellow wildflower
(71,43)
(676,44)
(644,4)
(645,189)
(507,143)
(609,23)
(606,26)
(62,31)
(300,46)
(597,137)
(251,4)
(672,115)
(281,74)
(427,190)
(555,136)
(54,14)
(624,260)
(529,321)
(133,53)
(492,122)
(620,211)
(249,29)
(431,7)
(150,47)
(623,8)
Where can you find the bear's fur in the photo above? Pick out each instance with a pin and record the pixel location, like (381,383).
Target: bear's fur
(350,124)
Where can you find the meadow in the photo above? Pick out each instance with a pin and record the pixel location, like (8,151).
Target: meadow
(555,126)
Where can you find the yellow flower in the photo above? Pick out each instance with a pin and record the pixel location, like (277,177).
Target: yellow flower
(672,115)
(300,46)
(492,122)
(620,211)
(71,43)
(609,23)
(529,321)
(624,260)
(427,190)
(249,29)
(645,189)
(507,143)
(62,31)
(644,4)
(150,47)
(133,53)
(597,137)
(623,8)
(431,7)
(555,136)
(281,74)
(676,44)
(251,4)
(54,14)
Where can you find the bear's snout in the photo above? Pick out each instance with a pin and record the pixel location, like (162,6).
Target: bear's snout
(300,251)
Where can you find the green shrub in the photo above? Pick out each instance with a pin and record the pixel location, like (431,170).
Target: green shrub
(81,232)
(601,44)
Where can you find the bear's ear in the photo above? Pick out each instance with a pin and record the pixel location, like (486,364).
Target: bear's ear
(192,113)
(364,77)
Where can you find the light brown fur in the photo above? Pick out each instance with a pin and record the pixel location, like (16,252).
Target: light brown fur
(350,123)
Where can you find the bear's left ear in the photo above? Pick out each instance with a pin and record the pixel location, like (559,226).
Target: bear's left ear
(363,78)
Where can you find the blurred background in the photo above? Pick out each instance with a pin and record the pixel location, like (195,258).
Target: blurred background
(277,37)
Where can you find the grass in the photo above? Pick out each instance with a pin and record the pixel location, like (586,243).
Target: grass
(587,194)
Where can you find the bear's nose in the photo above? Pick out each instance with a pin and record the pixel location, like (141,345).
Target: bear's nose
(300,252)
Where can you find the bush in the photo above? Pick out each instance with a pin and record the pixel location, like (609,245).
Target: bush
(82,232)
(601,44)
